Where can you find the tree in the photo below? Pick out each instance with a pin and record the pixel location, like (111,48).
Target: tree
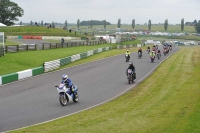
(91,24)
(66,23)
(9,12)
(42,23)
(104,24)
(195,22)
(78,23)
(119,23)
(53,24)
(166,24)
(133,23)
(149,25)
(197,27)
(20,23)
(182,24)
(31,23)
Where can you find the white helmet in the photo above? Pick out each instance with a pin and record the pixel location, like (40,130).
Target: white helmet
(64,77)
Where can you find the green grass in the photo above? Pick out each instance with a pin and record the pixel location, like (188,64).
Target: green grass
(37,31)
(9,42)
(13,62)
(167,102)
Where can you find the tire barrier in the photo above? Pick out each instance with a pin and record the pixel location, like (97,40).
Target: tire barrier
(55,64)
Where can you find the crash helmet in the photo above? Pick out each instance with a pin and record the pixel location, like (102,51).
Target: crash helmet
(130,63)
(64,77)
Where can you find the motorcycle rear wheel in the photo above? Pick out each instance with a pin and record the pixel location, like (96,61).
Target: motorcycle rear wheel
(75,99)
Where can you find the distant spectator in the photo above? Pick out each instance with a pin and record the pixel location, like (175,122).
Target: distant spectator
(62,40)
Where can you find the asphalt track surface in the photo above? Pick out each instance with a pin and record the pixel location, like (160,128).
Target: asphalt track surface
(35,100)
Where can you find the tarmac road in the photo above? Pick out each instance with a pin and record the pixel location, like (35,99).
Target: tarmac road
(35,100)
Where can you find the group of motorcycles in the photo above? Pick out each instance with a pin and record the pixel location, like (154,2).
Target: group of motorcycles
(166,50)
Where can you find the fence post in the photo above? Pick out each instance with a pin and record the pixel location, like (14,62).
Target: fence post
(56,45)
(50,45)
(26,47)
(43,46)
(67,44)
(6,49)
(17,48)
(35,46)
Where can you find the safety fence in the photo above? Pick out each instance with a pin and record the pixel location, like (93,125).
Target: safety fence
(49,66)
(29,47)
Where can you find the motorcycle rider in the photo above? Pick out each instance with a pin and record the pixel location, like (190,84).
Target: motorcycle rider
(140,50)
(132,67)
(152,54)
(68,83)
(128,53)
(148,49)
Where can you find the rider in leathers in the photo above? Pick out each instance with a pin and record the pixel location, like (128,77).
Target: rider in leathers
(67,81)
(132,67)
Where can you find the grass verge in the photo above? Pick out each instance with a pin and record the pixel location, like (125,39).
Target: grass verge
(168,101)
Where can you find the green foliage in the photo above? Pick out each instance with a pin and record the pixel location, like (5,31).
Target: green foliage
(91,24)
(119,23)
(149,25)
(166,24)
(133,23)
(95,22)
(78,23)
(197,27)
(182,24)
(31,23)
(104,24)
(42,23)
(66,23)
(9,12)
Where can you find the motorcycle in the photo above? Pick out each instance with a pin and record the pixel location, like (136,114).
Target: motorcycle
(148,50)
(158,55)
(65,95)
(127,57)
(130,76)
(139,55)
(165,52)
(152,59)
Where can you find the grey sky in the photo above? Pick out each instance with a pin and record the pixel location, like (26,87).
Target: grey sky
(111,10)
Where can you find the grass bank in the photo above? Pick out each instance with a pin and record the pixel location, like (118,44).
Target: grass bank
(168,101)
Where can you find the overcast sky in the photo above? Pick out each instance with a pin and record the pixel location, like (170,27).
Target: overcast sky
(111,10)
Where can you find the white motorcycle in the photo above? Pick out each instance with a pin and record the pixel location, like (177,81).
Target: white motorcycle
(65,95)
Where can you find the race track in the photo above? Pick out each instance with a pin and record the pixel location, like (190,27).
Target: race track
(35,99)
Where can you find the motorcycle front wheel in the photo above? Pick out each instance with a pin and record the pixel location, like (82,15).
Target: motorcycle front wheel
(63,99)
